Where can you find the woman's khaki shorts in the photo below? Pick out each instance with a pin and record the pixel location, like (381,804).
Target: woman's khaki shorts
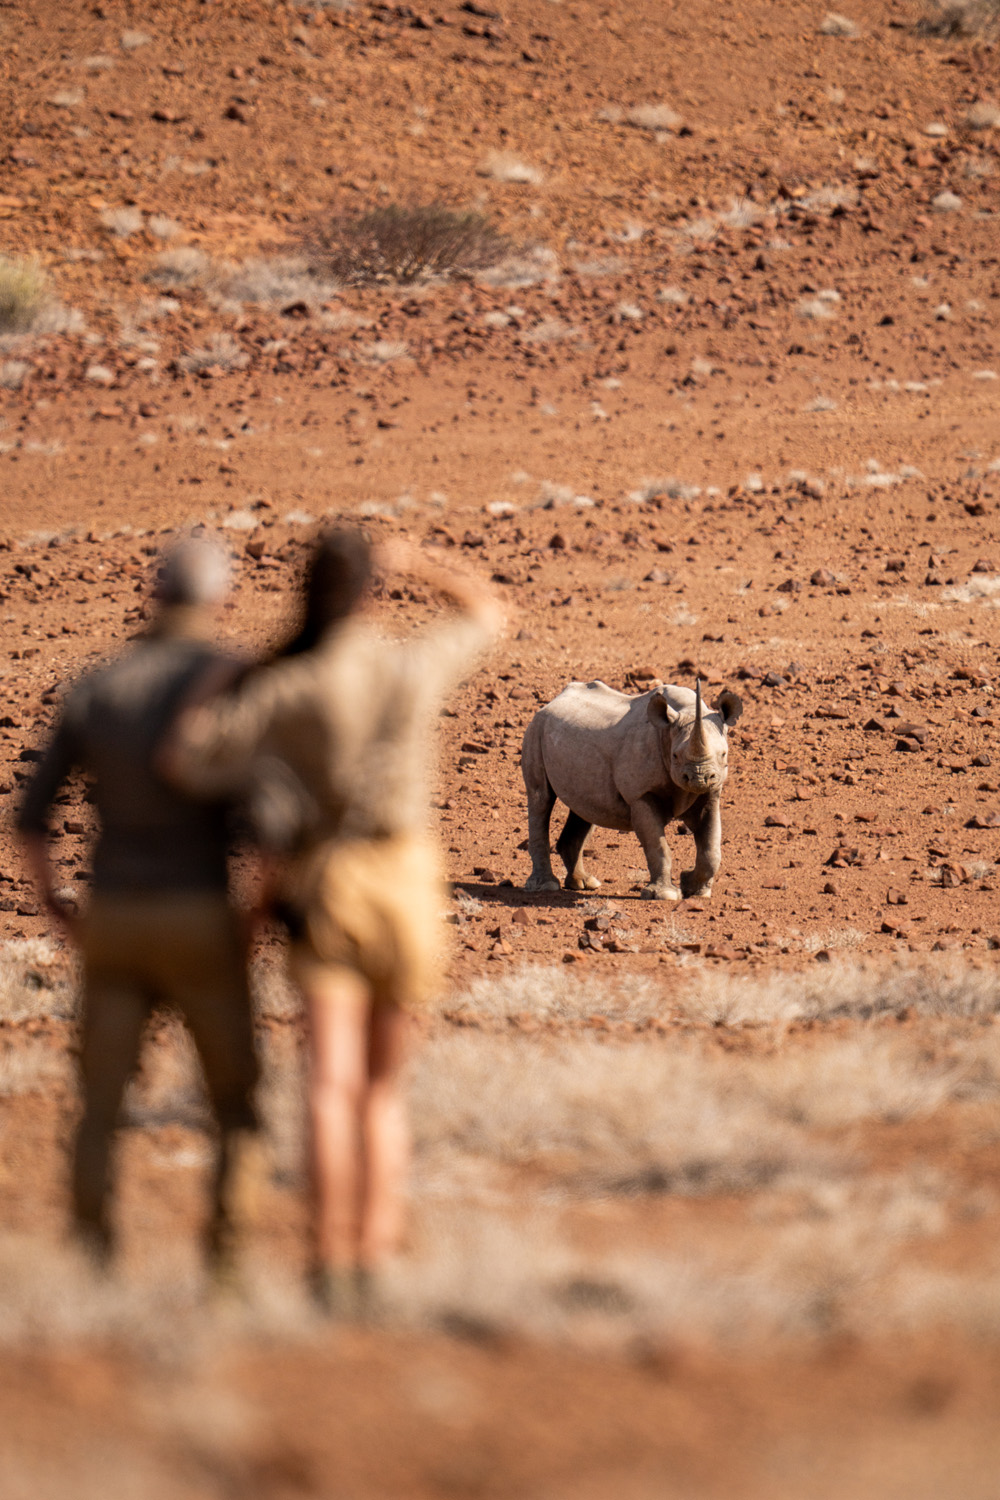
(374,906)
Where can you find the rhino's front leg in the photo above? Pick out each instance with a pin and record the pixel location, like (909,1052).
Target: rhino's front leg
(649,825)
(705,822)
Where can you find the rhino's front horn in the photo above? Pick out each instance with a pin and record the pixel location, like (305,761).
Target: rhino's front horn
(699,748)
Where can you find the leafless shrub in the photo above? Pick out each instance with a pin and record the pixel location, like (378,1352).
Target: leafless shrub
(399,243)
(960,17)
(221,352)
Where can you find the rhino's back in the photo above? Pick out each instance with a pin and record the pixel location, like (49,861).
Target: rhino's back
(588,706)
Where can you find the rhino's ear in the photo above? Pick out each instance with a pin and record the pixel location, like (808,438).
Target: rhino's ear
(660,713)
(730,706)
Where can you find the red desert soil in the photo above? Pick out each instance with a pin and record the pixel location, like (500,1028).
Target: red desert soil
(737,422)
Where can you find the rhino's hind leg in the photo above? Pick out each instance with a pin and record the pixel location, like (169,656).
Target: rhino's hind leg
(570,849)
(541,801)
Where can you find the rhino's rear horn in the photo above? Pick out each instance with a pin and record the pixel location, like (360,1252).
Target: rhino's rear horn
(730,706)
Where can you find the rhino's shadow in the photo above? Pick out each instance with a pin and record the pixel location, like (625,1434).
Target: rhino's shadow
(512,896)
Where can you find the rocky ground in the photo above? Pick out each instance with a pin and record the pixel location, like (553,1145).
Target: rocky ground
(725,407)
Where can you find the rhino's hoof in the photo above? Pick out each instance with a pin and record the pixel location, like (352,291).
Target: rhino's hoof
(541,883)
(690,887)
(660,893)
(582,883)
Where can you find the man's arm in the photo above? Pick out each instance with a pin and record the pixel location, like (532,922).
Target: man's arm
(60,758)
(474,595)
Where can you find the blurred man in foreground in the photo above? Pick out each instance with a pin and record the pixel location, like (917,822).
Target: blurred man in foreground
(347,717)
(159,927)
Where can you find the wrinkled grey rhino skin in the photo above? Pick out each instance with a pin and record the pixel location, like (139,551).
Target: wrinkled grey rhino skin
(627,763)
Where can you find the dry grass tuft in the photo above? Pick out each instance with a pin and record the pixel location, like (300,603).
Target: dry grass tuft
(842,990)
(281,282)
(123,222)
(13,374)
(714,997)
(35,981)
(555,993)
(221,352)
(25,298)
(406,244)
(961,18)
(598,1118)
(833,24)
(31,1068)
(503,167)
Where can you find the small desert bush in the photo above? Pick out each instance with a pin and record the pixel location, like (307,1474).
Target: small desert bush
(221,352)
(399,243)
(961,17)
(24,295)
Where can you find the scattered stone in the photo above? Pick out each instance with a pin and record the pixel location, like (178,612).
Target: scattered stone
(946,203)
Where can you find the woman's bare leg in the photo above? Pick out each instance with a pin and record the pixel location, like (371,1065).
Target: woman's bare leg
(386,1136)
(338,1004)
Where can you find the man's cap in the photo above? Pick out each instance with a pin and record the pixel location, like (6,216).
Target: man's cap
(194,571)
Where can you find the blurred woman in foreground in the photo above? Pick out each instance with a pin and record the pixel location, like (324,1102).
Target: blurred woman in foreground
(337,728)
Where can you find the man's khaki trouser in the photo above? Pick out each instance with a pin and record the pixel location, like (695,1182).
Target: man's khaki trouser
(184,949)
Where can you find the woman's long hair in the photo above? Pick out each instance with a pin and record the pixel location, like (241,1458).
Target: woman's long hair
(335,583)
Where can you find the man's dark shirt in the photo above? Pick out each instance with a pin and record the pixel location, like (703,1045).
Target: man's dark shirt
(151,837)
